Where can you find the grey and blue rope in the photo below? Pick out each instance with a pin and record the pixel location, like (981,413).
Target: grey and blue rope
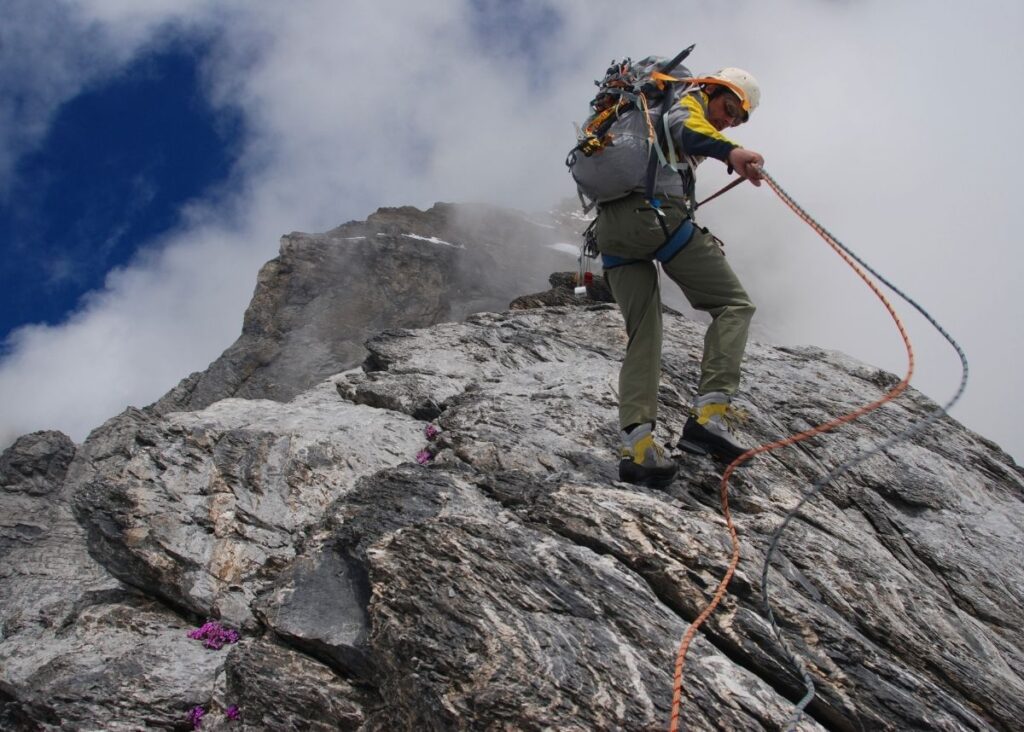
(816,488)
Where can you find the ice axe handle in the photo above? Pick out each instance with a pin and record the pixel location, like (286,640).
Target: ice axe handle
(669,65)
(667,68)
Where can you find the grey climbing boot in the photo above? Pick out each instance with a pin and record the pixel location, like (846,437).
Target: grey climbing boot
(707,430)
(644,461)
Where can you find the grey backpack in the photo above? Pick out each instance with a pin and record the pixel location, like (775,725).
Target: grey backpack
(624,145)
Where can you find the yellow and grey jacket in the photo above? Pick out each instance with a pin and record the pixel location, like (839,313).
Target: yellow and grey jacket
(695,139)
(698,139)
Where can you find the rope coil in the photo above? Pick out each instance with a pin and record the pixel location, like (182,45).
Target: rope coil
(861,268)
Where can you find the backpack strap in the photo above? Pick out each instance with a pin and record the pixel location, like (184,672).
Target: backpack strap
(661,78)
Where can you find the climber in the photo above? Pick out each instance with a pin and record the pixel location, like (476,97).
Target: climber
(630,237)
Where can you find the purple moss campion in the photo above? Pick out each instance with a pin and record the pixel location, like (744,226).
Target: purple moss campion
(214,635)
(423,457)
(432,431)
(195,717)
(233,712)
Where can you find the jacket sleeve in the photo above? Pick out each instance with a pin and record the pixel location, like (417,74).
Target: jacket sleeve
(697,136)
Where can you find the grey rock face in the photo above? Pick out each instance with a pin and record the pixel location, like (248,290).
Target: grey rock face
(276,688)
(325,294)
(556,637)
(36,464)
(78,649)
(871,586)
(319,604)
(510,583)
(203,509)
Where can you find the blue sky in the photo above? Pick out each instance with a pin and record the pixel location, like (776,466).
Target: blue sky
(152,154)
(117,164)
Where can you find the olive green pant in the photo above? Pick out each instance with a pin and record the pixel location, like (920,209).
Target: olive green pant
(629,228)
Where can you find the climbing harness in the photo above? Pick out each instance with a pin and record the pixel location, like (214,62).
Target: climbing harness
(674,243)
(861,268)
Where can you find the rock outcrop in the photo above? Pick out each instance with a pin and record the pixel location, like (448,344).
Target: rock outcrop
(507,582)
(563,292)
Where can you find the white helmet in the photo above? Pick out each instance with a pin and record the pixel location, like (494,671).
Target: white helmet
(741,83)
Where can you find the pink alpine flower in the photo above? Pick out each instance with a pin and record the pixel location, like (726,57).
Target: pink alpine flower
(423,457)
(214,635)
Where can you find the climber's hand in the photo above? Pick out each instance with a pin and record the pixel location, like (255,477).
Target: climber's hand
(747,163)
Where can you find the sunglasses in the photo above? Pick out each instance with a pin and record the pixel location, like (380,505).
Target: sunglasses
(734,111)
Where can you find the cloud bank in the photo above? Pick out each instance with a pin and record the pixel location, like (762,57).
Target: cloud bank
(886,120)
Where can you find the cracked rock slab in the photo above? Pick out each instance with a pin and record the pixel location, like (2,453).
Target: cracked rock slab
(884,584)
(203,509)
(478,616)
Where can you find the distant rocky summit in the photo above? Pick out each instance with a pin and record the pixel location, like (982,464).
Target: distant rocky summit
(325,294)
(422,530)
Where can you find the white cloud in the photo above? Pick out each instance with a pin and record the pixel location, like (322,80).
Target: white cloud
(888,121)
(35,82)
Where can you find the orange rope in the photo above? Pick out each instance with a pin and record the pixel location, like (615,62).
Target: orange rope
(684,645)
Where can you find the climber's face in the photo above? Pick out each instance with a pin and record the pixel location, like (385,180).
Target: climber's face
(725,110)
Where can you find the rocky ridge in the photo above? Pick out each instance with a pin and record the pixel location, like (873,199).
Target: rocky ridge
(508,582)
